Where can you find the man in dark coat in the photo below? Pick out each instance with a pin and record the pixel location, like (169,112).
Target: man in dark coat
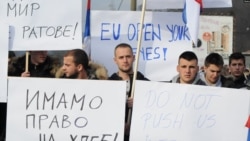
(39,65)
(236,68)
(124,58)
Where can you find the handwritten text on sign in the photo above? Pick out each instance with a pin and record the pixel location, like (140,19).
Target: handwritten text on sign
(57,114)
(163,40)
(33,20)
(176,112)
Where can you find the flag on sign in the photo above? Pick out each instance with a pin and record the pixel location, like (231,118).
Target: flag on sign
(86,36)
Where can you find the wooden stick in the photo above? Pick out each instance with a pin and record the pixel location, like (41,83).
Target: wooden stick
(27,62)
(137,57)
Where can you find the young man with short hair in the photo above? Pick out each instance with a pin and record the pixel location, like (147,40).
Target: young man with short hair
(76,65)
(212,72)
(124,59)
(236,69)
(188,69)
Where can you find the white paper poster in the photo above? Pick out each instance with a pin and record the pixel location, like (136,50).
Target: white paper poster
(164,38)
(43,25)
(4,28)
(179,112)
(65,110)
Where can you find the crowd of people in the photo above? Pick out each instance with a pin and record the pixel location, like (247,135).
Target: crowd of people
(76,65)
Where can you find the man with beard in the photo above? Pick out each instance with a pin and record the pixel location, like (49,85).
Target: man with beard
(76,65)
(124,58)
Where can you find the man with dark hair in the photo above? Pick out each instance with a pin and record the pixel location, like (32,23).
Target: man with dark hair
(236,69)
(76,65)
(124,58)
(40,65)
(212,72)
(188,69)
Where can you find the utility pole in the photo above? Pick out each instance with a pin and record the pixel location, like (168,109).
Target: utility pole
(133,5)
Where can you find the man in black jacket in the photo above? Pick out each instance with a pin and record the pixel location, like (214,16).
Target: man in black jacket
(40,65)
(124,59)
(236,69)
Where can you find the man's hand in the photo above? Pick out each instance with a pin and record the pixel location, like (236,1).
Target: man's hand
(127,128)
(25,74)
(130,102)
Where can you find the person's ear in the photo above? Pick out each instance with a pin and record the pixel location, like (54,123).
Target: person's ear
(79,67)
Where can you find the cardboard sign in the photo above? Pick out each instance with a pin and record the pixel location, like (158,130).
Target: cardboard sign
(4,28)
(65,110)
(178,112)
(164,38)
(43,25)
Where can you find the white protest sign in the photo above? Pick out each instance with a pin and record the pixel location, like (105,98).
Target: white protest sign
(65,110)
(175,4)
(4,28)
(164,38)
(215,35)
(43,25)
(178,112)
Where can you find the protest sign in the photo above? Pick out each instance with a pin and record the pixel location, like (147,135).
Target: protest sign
(43,25)
(215,35)
(179,112)
(65,110)
(164,38)
(4,28)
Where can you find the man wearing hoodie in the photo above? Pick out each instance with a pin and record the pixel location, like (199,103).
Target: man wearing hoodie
(188,69)
(212,72)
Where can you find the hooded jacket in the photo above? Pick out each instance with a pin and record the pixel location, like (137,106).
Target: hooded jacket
(197,80)
(221,82)
(95,71)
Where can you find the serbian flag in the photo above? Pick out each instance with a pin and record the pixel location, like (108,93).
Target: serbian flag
(248,126)
(190,16)
(86,35)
